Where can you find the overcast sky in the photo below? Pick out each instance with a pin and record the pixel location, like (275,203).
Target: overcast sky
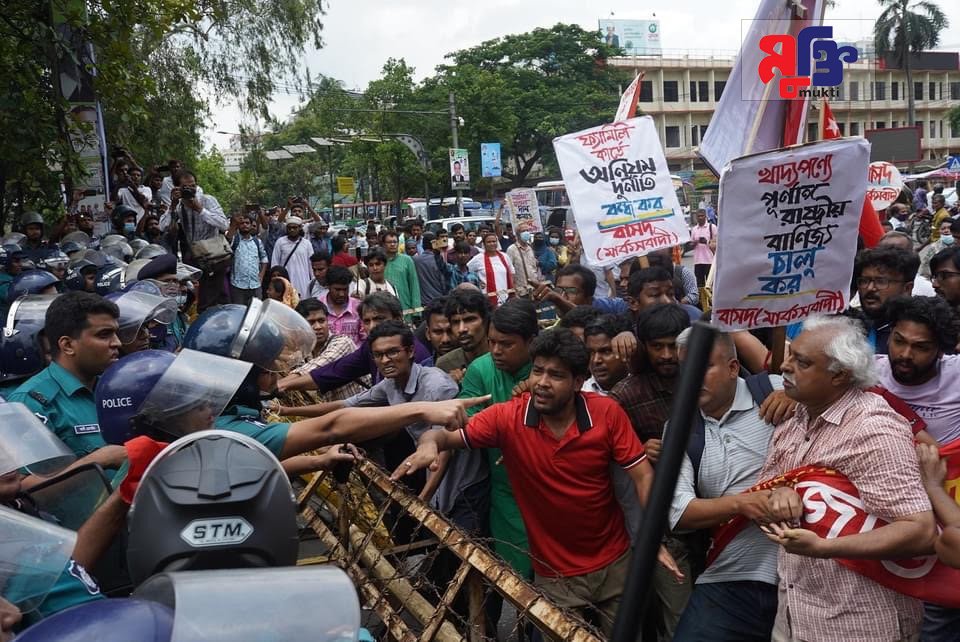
(360,35)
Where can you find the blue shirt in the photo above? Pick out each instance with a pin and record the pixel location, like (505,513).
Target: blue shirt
(610,305)
(248,255)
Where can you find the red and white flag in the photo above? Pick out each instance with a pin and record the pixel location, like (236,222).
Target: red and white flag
(628,101)
(828,124)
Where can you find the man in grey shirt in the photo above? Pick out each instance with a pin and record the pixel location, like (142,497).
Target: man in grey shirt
(735,598)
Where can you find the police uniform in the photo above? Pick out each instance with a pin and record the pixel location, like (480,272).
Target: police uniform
(7,387)
(5,281)
(246,421)
(65,405)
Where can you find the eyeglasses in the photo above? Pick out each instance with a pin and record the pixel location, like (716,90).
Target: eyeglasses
(943,275)
(881,282)
(390,354)
(571,291)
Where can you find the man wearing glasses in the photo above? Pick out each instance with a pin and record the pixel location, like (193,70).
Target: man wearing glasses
(945,270)
(881,274)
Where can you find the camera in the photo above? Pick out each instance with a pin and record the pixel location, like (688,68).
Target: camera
(188,193)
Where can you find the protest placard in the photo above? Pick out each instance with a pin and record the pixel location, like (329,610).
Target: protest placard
(623,199)
(884,184)
(788,233)
(524,210)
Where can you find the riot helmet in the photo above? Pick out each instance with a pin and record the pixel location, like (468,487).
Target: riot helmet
(110,278)
(151,250)
(14,238)
(137,244)
(22,352)
(212,500)
(119,251)
(79,237)
(267,334)
(26,443)
(31,282)
(164,396)
(213,605)
(139,308)
(55,260)
(31,218)
(34,554)
(113,619)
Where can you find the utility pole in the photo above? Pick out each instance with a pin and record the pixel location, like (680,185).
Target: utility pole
(456,145)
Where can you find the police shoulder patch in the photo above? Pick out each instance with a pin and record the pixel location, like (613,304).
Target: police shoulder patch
(80,573)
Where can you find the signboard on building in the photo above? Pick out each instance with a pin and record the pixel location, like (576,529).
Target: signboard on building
(346,185)
(635,37)
(459,169)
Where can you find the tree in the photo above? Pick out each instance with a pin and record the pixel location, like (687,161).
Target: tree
(526,89)
(953,117)
(906,28)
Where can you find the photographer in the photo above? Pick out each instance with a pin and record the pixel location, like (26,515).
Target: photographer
(133,193)
(197,222)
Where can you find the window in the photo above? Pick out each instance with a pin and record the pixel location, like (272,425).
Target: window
(955,91)
(843,127)
(854,129)
(704,88)
(839,92)
(671,92)
(646,91)
(718,86)
(879,90)
(894,91)
(854,90)
(812,131)
(940,125)
(954,132)
(694,135)
(918,91)
(693,91)
(880,125)
(703,132)
(933,91)
(673,136)
(933,129)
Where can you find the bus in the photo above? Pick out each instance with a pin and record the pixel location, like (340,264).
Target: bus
(554,203)
(379,210)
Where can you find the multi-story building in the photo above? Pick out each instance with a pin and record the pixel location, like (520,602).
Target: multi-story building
(681,92)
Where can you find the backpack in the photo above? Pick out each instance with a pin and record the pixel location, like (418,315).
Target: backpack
(236,242)
(760,388)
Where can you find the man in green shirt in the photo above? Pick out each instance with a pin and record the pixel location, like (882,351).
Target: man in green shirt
(82,331)
(402,274)
(513,327)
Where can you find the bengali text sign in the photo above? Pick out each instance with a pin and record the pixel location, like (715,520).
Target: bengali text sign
(524,210)
(623,199)
(788,233)
(884,184)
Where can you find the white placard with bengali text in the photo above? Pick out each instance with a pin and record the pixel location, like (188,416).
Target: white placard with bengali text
(788,229)
(623,199)
(524,210)
(884,184)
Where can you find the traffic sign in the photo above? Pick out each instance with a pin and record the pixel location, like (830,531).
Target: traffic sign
(345,185)
(953,163)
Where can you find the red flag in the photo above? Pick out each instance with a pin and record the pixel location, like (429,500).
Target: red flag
(628,101)
(870,229)
(833,508)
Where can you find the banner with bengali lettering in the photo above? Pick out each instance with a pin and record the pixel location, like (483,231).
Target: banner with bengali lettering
(623,199)
(524,210)
(788,233)
(885,184)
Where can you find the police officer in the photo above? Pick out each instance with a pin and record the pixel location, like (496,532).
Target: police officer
(174,280)
(32,282)
(22,350)
(81,329)
(34,244)
(10,261)
(140,312)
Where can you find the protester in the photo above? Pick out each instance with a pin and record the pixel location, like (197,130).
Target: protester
(881,274)
(343,313)
(945,270)
(402,274)
(317,288)
(460,272)
(436,328)
(606,369)
(839,426)
(433,272)
(577,319)
(704,238)
(342,255)
(376,262)
(526,275)
(468,312)
(576,285)
(250,260)
(494,269)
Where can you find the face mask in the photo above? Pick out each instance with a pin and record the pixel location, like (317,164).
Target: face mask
(526,237)
(947,239)
(554,241)
(129,227)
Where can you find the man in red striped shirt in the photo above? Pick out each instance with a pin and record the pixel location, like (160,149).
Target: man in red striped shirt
(558,444)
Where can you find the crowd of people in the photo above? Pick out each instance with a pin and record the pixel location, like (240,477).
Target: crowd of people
(520,391)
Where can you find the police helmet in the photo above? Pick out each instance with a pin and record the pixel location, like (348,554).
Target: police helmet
(79,237)
(70,247)
(30,282)
(212,500)
(138,308)
(159,394)
(88,257)
(22,353)
(55,259)
(137,244)
(110,278)
(113,619)
(31,218)
(268,334)
(14,238)
(112,239)
(151,250)
(120,212)
(119,251)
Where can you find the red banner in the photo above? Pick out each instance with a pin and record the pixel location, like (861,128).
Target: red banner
(833,508)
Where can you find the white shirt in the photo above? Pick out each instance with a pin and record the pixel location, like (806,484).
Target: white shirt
(127,198)
(298,266)
(478,265)
(360,289)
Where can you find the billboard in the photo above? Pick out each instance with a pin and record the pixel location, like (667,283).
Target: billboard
(895,144)
(490,160)
(459,168)
(635,37)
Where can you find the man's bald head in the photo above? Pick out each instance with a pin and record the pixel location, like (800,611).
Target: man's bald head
(897,239)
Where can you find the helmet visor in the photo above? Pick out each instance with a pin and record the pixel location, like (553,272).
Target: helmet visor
(138,308)
(33,555)
(274,336)
(28,309)
(25,442)
(193,392)
(188,272)
(213,605)
(78,237)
